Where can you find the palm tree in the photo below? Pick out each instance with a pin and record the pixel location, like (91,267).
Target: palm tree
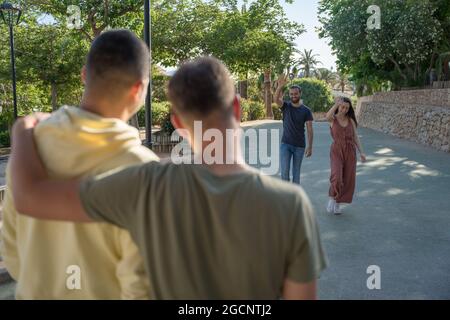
(343,82)
(308,62)
(326,75)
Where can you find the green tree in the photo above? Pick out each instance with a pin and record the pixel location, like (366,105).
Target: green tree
(96,15)
(308,62)
(48,62)
(326,75)
(402,49)
(342,81)
(54,57)
(179,29)
(316,94)
(255,39)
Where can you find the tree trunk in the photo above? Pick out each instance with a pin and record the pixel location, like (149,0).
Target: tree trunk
(397,66)
(268,93)
(432,61)
(446,69)
(54,97)
(243,89)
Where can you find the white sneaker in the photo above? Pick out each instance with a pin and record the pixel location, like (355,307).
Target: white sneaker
(337,209)
(330,206)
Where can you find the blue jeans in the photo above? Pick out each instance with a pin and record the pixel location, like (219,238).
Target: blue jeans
(288,153)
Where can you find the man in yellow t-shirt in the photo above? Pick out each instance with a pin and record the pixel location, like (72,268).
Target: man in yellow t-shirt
(61,260)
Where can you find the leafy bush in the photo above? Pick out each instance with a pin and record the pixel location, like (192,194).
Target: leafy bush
(277,115)
(6,120)
(252,110)
(315,94)
(245,110)
(166,125)
(4,139)
(30,98)
(257,110)
(160,112)
(159,83)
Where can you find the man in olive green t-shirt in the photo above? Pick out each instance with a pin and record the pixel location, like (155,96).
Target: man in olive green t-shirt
(206,231)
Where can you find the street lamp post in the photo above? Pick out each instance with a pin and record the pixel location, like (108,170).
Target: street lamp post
(8,13)
(148,100)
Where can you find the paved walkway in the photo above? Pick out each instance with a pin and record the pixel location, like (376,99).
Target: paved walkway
(400,220)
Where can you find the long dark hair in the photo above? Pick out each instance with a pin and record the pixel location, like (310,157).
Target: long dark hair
(351,111)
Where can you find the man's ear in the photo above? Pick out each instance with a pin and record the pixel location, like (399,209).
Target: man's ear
(237,109)
(83,75)
(138,89)
(176,121)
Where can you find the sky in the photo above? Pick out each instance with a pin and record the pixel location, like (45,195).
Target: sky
(305,12)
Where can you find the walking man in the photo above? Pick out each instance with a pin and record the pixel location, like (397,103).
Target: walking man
(293,144)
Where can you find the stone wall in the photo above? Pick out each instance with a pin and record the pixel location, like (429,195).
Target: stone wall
(422,116)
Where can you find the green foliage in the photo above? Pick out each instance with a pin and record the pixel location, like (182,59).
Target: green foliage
(308,62)
(277,114)
(160,112)
(96,15)
(160,116)
(30,98)
(254,89)
(326,75)
(166,125)
(5,140)
(50,56)
(6,119)
(315,94)
(253,39)
(245,110)
(252,110)
(179,29)
(159,85)
(47,56)
(402,51)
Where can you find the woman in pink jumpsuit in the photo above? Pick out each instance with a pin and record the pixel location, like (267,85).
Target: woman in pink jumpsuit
(343,126)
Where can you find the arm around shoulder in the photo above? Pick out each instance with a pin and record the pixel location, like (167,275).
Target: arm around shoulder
(34,193)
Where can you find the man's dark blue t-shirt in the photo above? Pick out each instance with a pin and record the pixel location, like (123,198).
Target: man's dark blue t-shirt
(294,119)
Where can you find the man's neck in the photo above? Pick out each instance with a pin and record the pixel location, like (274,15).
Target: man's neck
(103,108)
(298,104)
